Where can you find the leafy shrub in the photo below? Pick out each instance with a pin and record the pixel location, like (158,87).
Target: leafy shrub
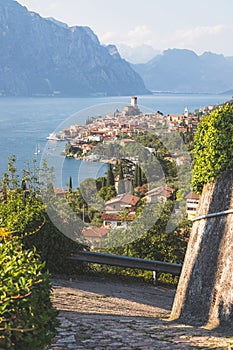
(27,317)
(213,151)
(23,213)
(54,248)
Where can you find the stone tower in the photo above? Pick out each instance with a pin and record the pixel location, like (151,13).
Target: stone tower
(205,292)
(134,101)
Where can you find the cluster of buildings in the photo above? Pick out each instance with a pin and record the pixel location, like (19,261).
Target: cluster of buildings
(119,211)
(182,122)
(122,126)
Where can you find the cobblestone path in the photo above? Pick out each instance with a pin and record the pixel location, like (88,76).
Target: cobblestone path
(103,314)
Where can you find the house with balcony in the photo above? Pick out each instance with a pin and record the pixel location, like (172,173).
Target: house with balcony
(192,201)
(95,235)
(161,193)
(120,220)
(121,202)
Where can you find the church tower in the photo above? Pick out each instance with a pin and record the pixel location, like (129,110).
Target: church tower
(186,112)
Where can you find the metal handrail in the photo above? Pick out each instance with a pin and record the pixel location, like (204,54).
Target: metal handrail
(213,215)
(127,261)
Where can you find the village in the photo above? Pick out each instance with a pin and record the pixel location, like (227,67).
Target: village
(123,125)
(84,142)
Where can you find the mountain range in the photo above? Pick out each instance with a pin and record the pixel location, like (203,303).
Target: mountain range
(42,56)
(181,70)
(45,57)
(137,54)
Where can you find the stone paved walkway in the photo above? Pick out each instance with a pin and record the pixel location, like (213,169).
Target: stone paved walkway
(102,314)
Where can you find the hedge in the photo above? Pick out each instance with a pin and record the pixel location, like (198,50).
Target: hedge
(27,317)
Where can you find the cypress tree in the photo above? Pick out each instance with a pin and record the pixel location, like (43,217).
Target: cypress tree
(139,176)
(110,176)
(104,181)
(70,185)
(23,185)
(136,176)
(121,184)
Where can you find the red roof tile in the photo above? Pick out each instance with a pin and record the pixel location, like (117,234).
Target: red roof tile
(95,232)
(117,217)
(192,195)
(125,198)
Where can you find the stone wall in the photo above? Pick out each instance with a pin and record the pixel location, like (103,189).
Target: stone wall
(205,291)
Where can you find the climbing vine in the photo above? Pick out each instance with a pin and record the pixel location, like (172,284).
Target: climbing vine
(213,149)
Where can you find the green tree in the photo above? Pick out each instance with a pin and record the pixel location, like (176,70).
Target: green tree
(110,176)
(138,176)
(213,148)
(100,182)
(154,243)
(121,184)
(107,192)
(70,185)
(23,213)
(136,179)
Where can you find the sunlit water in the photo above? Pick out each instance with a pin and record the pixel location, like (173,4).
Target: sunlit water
(26,122)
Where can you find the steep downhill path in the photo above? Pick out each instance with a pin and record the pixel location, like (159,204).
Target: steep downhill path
(102,313)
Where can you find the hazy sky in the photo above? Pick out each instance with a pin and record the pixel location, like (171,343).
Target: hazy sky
(199,25)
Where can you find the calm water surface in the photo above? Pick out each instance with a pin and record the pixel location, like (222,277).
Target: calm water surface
(26,122)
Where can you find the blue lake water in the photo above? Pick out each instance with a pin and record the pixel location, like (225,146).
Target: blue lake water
(26,122)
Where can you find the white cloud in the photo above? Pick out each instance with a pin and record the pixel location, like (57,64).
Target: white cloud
(203,38)
(139,32)
(53,5)
(199,32)
(137,36)
(108,37)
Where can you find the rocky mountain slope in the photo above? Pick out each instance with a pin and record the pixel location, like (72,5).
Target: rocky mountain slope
(179,70)
(45,57)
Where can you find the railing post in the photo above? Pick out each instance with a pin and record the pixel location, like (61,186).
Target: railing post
(155,277)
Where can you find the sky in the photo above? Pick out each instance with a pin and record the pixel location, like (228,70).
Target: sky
(198,25)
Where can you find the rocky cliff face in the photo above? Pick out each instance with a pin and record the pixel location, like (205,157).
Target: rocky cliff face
(44,57)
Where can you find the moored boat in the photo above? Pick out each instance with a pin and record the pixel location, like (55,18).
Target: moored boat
(54,137)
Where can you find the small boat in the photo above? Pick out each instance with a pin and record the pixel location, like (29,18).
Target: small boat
(53,137)
(37,151)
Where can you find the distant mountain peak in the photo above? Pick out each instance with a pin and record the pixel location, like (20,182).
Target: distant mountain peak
(59,23)
(112,49)
(43,56)
(179,52)
(182,70)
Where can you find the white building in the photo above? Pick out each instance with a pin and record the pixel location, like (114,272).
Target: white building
(192,201)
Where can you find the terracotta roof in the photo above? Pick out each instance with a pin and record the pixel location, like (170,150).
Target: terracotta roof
(125,198)
(164,191)
(130,199)
(117,217)
(95,232)
(192,195)
(60,191)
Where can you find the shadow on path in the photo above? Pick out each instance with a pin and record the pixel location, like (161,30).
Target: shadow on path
(133,291)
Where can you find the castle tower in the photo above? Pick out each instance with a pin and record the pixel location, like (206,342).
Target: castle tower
(134,101)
